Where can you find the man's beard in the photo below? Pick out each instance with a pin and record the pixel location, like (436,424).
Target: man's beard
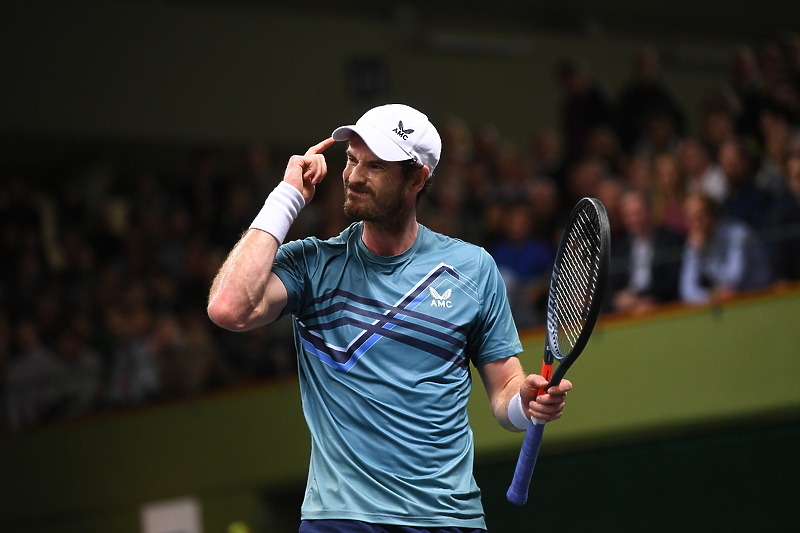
(387,211)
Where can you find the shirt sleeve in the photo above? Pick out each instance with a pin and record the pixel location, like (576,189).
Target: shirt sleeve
(495,334)
(691,290)
(291,265)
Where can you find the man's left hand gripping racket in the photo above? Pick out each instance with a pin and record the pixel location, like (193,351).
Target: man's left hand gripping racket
(576,293)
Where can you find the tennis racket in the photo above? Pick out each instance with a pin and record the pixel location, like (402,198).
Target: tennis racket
(573,304)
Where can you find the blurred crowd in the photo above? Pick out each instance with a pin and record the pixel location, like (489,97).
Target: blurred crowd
(698,214)
(104,275)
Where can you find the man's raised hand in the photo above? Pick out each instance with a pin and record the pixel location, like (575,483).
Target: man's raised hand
(305,172)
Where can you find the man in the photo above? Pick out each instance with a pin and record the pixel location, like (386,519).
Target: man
(644,96)
(388,316)
(524,259)
(585,108)
(744,201)
(785,221)
(722,256)
(702,173)
(647,257)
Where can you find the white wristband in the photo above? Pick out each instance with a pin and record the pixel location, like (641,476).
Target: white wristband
(279,211)
(516,413)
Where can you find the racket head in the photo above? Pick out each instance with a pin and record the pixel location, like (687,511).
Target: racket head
(578,282)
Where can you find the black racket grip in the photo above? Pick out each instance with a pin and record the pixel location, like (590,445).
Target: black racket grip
(518,491)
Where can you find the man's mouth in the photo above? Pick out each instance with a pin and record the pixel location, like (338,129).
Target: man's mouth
(357,192)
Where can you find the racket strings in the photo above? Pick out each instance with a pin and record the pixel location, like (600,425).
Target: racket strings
(577,280)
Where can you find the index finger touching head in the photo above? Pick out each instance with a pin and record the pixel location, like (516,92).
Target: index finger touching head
(320,147)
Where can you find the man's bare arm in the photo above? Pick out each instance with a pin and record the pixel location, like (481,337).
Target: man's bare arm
(245,293)
(504,378)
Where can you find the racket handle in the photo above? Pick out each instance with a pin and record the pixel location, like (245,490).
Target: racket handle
(518,491)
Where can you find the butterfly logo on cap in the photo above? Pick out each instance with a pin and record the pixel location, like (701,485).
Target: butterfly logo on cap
(401,132)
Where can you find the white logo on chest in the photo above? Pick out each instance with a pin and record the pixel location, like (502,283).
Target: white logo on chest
(441,300)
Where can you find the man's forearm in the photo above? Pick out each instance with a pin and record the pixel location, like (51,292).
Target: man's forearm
(240,296)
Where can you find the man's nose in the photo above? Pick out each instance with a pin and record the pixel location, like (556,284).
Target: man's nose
(356,175)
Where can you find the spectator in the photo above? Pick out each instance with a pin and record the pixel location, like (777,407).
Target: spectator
(206,369)
(659,135)
(170,253)
(79,270)
(746,85)
(602,144)
(646,96)
(669,193)
(31,379)
(785,224)
(31,275)
(791,48)
(717,125)
(744,200)
(637,172)
(543,193)
(777,135)
(79,380)
(645,259)
(204,191)
(609,191)
(584,107)
(133,375)
(524,262)
(584,179)
(20,217)
(166,345)
(184,355)
(237,211)
(722,256)
(548,155)
(702,173)
(777,84)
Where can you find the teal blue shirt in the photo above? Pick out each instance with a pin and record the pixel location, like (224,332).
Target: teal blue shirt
(384,348)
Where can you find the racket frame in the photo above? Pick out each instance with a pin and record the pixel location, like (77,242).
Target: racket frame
(518,491)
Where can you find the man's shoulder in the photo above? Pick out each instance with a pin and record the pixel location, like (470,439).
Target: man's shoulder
(440,241)
(321,244)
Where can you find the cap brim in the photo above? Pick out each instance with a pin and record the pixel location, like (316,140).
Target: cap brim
(377,141)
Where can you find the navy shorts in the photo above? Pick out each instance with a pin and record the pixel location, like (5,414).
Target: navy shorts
(353,526)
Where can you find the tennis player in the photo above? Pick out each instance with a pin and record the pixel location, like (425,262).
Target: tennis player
(388,317)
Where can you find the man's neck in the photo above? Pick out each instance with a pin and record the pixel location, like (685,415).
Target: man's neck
(388,242)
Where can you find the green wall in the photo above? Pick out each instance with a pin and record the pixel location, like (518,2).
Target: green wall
(694,374)
(683,368)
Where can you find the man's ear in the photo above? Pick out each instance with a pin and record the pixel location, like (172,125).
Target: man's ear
(420,177)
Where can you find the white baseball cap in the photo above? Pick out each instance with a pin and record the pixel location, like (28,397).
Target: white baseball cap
(396,132)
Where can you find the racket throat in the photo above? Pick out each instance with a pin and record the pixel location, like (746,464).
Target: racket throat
(546,373)
(547,369)
(548,358)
